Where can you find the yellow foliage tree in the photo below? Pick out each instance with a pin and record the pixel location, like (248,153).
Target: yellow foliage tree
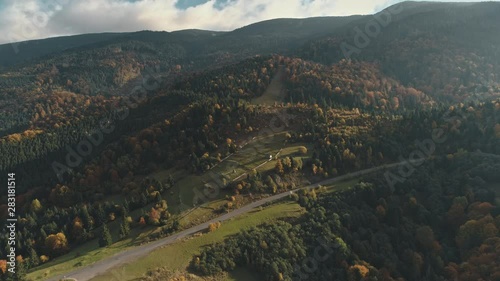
(213,226)
(44,258)
(36,206)
(56,243)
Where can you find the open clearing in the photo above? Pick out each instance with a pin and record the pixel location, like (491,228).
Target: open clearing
(254,155)
(180,201)
(275,91)
(178,255)
(90,252)
(130,256)
(341,186)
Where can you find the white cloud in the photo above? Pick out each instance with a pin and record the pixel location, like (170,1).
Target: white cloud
(32,19)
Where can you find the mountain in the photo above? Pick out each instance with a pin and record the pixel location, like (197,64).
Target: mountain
(18,52)
(410,55)
(422,33)
(137,128)
(277,30)
(444,49)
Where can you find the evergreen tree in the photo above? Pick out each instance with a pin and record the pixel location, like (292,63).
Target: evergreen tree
(86,235)
(87,219)
(101,215)
(105,238)
(34,259)
(144,200)
(20,272)
(171,181)
(43,234)
(126,208)
(124,228)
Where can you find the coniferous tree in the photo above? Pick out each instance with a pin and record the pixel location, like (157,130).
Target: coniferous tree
(124,228)
(86,218)
(105,238)
(101,215)
(20,274)
(171,181)
(34,259)
(126,208)
(144,200)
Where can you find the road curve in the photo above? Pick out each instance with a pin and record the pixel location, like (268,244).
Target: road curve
(97,268)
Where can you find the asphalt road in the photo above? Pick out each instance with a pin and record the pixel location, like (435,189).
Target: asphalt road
(128,256)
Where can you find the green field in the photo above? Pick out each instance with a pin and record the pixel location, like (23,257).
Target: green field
(177,256)
(341,186)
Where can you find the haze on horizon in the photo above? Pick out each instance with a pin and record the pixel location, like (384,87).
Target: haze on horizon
(36,19)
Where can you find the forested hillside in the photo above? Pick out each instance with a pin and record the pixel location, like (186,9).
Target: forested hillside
(442,50)
(129,137)
(442,224)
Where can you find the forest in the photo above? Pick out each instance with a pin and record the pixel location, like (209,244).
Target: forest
(88,123)
(442,224)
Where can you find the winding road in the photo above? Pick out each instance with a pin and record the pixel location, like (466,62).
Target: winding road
(95,269)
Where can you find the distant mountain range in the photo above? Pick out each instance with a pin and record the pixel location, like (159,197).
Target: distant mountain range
(98,127)
(450,51)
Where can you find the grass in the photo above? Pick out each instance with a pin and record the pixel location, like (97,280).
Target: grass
(201,214)
(292,151)
(342,186)
(274,93)
(181,196)
(91,253)
(177,256)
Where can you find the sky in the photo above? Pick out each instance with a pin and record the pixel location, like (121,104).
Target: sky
(22,20)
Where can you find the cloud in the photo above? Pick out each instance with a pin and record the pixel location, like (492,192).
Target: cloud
(32,19)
